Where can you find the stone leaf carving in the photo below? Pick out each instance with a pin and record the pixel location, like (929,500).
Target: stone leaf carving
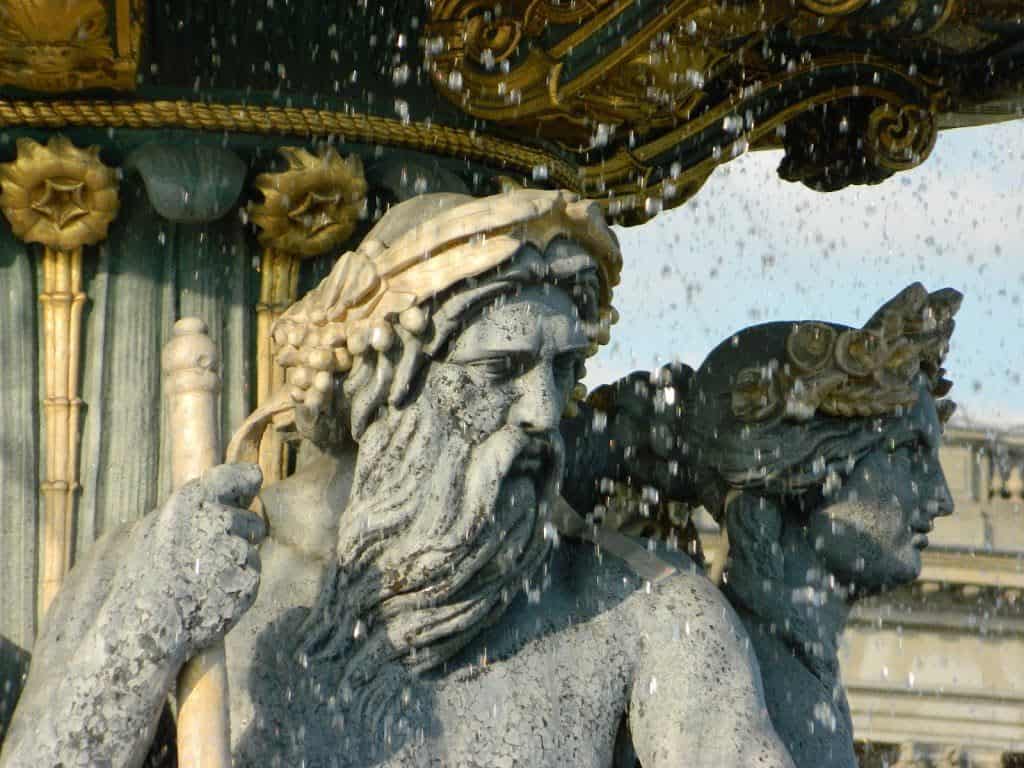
(855,372)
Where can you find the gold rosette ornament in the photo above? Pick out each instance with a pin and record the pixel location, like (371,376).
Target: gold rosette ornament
(311,207)
(58,195)
(308,209)
(64,198)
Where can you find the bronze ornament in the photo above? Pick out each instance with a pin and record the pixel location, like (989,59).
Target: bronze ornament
(900,138)
(834,7)
(635,104)
(631,184)
(63,45)
(312,206)
(57,194)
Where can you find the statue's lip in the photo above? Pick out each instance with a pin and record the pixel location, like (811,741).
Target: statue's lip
(919,540)
(533,457)
(924,527)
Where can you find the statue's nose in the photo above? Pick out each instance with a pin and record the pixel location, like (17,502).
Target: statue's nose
(539,406)
(942,499)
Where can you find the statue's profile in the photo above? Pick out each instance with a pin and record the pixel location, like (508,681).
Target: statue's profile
(815,446)
(411,604)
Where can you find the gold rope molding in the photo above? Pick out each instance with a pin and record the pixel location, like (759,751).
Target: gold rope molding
(283,121)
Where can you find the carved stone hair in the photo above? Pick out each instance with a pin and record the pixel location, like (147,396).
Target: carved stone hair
(780,407)
(358,337)
(855,372)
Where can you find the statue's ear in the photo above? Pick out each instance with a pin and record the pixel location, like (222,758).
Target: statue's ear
(754,525)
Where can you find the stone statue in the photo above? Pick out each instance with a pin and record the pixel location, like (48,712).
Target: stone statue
(411,603)
(816,447)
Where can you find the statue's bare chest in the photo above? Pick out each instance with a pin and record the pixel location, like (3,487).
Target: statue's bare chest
(556,697)
(560,701)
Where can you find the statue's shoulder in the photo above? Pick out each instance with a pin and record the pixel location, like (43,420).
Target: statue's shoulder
(679,602)
(585,581)
(584,590)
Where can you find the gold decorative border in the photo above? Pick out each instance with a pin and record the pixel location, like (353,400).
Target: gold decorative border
(287,121)
(620,182)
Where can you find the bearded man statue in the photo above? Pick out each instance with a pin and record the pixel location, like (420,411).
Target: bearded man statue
(412,602)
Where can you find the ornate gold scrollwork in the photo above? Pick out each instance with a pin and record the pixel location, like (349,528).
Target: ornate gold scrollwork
(635,103)
(905,18)
(622,182)
(834,7)
(655,99)
(308,209)
(900,138)
(64,198)
(486,58)
(62,45)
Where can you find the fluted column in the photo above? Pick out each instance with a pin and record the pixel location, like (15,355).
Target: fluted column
(63,198)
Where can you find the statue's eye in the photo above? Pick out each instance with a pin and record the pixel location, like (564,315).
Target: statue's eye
(499,367)
(910,452)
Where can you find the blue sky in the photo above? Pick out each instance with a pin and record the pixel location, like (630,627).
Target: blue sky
(751,248)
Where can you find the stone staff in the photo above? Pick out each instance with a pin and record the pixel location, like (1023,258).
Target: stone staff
(190,365)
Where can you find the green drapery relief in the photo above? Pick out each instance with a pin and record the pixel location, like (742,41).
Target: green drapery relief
(19,441)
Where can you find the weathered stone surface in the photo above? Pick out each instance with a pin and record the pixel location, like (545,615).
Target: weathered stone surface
(824,477)
(414,607)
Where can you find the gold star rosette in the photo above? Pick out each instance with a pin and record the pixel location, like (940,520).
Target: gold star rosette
(308,209)
(58,195)
(63,198)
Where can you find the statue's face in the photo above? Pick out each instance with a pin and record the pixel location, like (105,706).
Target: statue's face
(513,365)
(872,531)
(448,493)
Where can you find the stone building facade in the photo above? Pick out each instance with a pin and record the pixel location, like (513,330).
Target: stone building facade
(935,672)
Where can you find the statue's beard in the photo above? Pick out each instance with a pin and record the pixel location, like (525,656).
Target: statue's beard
(438,535)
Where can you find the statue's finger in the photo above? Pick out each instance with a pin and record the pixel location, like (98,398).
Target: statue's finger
(233,484)
(247,525)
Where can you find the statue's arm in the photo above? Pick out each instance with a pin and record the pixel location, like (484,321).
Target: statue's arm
(146,598)
(101,669)
(697,698)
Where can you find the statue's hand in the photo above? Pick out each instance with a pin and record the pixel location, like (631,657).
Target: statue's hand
(200,552)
